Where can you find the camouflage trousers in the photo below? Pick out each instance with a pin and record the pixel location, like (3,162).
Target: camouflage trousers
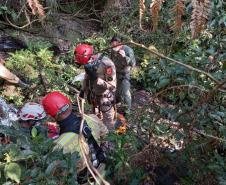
(123,93)
(109,119)
(106,107)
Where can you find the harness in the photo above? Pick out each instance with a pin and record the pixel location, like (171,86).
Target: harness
(106,106)
(72,124)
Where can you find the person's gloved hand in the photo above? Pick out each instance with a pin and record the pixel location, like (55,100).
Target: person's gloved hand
(22,84)
(122,53)
(101,156)
(100,81)
(82,94)
(91,70)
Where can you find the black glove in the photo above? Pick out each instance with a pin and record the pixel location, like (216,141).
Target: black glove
(82,94)
(97,154)
(91,70)
(101,156)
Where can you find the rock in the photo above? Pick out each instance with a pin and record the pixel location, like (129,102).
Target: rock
(7,75)
(61,27)
(8,43)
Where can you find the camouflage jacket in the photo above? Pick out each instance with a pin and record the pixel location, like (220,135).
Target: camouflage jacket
(123,64)
(104,69)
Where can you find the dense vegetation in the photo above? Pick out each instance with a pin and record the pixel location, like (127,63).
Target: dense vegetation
(177,135)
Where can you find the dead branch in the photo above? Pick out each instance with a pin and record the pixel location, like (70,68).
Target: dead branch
(19,27)
(199,16)
(208,135)
(73,89)
(179,10)
(141,12)
(155,8)
(177,126)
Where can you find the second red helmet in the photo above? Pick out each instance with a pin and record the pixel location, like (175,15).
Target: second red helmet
(82,53)
(55,103)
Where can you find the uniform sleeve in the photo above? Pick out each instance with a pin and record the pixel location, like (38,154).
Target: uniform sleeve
(110,76)
(130,58)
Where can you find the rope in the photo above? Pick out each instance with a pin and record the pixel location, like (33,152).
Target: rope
(90,167)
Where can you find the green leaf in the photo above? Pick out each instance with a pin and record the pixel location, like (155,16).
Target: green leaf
(224,65)
(34,132)
(14,15)
(34,172)
(211,51)
(152,71)
(24,154)
(162,63)
(164,82)
(221,114)
(8,183)
(182,95)
(215,116)
(180,80)
(52,166)
(118,165)
(13,171)
(2,165)
(4,8)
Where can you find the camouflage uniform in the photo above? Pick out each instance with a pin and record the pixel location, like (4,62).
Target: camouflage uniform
(101,94)
(123,68)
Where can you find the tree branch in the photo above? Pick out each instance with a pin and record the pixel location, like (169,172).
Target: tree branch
(177,127)
(175,61)
(167,58)
(208,135)
(20,27)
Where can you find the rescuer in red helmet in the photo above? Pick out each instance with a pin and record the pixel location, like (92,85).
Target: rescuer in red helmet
(59,107)
(100,82)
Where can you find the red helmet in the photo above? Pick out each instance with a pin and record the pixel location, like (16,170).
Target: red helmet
(82,53)
(55,103)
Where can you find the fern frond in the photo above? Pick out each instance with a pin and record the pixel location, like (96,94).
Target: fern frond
(36,7)
(31,5)
(155,7)
(141,12)
(200,15)
(40,8)
(179,11)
